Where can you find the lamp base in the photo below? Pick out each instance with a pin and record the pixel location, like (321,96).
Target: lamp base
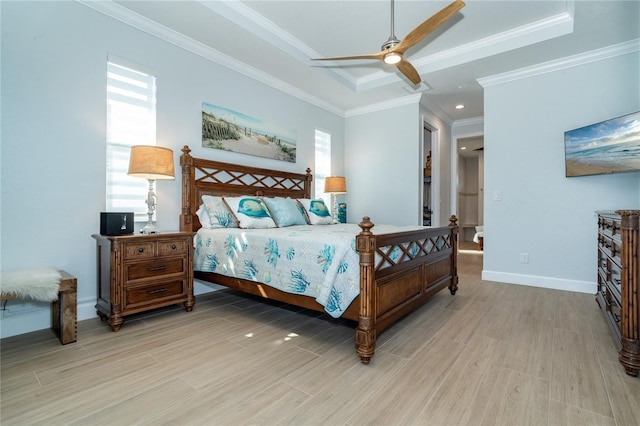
(149,228)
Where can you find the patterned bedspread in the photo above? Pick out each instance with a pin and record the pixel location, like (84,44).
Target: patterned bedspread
(317,261)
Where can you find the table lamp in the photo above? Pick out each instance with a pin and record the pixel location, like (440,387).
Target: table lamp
(151,163)
(335,185)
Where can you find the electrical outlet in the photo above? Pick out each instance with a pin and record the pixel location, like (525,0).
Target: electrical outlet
(497,196)
(524,257)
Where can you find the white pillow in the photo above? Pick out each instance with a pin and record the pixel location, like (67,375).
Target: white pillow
(219,214)
(203,216)
(250,212)
(317,211)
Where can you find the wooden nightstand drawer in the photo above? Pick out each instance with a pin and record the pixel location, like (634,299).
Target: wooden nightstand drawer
(154,268)
(172,248)
(139,250)
(153,293)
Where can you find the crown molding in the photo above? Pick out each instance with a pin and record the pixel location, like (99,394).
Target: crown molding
(620,49)
(380,106)
(246,17)
(128,17)
(436,110)
(473,121)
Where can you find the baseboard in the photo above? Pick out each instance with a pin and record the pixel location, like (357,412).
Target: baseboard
(540,281)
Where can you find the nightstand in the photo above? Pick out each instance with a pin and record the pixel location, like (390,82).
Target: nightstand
(137,273)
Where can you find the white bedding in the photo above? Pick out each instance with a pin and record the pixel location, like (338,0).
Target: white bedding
(479,234)
(317,261)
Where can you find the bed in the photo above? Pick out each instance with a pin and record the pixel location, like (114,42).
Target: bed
(397,272)
(478,237)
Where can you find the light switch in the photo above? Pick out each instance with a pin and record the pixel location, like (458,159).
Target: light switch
(497,196)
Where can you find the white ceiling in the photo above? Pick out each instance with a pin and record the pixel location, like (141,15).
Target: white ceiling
(274,41)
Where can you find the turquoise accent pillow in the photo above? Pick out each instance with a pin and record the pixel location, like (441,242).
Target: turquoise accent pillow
(250,212)
(219,214)
(285,211)
(317,211)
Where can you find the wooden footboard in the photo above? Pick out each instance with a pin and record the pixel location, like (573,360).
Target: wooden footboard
(398,272)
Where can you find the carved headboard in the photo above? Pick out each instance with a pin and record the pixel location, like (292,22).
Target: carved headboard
(207,177)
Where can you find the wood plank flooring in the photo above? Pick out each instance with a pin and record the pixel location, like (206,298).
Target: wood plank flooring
(493,354)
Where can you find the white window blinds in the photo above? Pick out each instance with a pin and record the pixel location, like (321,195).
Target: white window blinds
(322,164)
(131,120)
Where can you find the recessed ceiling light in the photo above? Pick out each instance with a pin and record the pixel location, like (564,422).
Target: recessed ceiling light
(463,147)
(459,106)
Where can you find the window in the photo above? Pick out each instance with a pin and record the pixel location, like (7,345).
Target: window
(131,120)
(323,164)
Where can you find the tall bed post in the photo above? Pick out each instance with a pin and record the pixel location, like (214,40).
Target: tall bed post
(188,179)
(453,222)
(307,183)
(365,338)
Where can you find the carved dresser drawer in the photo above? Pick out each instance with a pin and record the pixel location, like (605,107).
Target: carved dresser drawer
(619,282)
(141,272)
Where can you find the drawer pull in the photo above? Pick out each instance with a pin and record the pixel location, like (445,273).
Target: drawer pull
(160,290)
(157,268)
(173,246)
(141,250)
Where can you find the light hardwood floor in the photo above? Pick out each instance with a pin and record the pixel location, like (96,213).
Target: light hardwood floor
(492,354)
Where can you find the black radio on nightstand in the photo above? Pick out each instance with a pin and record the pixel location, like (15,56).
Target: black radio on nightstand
(116,223)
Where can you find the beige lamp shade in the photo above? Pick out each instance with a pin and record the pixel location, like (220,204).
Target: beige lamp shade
(335,185)
(151,162)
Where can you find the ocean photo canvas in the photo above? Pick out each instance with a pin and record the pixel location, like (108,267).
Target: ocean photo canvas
(611,146)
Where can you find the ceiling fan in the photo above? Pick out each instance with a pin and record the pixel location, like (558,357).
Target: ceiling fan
(392,50)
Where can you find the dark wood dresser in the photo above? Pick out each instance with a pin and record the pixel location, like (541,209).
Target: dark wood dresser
(619,281)
(137,273)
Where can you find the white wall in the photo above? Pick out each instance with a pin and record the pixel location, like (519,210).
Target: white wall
(383,165)
(53,134)
(542,212)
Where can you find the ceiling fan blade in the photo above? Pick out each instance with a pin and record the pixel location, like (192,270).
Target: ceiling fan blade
(377,55)
(409,71)
(428,26)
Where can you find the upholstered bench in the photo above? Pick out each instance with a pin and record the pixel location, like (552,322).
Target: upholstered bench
(45,284)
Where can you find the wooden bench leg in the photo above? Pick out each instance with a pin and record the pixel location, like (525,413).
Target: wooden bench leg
(64,311)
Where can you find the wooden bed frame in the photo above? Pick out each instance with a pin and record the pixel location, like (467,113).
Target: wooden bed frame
(389,289)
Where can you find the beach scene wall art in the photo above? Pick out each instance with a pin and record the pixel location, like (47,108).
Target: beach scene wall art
(611,146)
(229,130)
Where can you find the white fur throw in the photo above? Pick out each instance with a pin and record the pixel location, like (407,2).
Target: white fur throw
(41,284)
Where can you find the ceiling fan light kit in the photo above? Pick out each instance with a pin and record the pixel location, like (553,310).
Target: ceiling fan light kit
(392,58)
(393,49)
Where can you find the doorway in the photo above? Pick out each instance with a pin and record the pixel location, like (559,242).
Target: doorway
(427,193)
(470,186)
(430,176)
